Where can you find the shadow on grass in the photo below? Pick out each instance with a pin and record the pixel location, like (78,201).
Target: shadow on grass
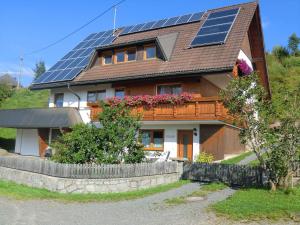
(7,144)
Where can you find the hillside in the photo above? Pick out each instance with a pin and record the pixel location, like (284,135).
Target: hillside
(22,98)
(284,77)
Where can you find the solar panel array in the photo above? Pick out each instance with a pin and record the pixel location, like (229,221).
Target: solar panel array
(216,28)
(77,59)
(189,18)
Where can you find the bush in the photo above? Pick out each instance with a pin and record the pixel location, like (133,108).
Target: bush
(204,157)
(5,92)
(115,142)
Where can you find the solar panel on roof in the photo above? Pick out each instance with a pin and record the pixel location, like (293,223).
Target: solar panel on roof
(77,59)
(189,18)
(216,28)
(171,21)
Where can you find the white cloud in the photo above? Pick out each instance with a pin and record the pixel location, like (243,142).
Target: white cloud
(14,69)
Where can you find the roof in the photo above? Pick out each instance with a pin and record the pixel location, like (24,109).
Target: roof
(180,58)
(39,118)
(8,80)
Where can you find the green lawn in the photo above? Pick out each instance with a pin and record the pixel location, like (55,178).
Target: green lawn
(22,192)
(203,191)
(22,98)
(256,204)
(236,159)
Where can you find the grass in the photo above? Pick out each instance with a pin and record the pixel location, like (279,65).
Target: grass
(202,192)
(22,192)
(236,159)
(256,162)
(22,98)
(256,204)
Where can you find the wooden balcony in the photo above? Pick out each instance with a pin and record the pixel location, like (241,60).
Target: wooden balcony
(204,108)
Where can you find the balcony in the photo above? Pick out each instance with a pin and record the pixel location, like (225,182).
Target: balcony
(199,108)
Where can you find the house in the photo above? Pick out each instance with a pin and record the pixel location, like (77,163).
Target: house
(195,53)
(8,80)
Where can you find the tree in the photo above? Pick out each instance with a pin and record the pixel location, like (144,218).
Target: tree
(5,92)
(280,52)
(119,135)
(39,69)
(245,99)
(293,44)
(115,142)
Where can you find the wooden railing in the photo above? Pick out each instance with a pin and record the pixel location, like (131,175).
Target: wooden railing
(204,108)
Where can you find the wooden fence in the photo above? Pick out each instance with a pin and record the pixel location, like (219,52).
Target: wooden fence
(84,171)
(234,175)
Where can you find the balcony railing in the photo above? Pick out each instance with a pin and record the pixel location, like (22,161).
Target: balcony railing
(199,108)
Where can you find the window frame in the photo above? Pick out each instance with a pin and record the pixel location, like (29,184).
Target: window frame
(115,56)
(129,49)
(97,93)
(107,53)
(168,84)
(145,51)
(120,89)
(152,148)
(55,99)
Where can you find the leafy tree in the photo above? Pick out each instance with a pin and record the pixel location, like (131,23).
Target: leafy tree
(293,43)
(115,142)
(280,52)
(39,69)
(119,135)
(245,99)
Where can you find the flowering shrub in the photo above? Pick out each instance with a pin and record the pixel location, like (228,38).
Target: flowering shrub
(150,100)
(244,68)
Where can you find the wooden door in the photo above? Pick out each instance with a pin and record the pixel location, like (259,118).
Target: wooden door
(185,144)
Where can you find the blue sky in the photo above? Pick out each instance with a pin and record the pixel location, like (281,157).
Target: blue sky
(32,24)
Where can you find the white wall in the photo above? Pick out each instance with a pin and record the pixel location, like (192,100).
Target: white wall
(170,136)
(70,100)
(27,142)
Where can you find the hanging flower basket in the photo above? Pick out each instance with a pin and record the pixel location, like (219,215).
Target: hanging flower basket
(243,68)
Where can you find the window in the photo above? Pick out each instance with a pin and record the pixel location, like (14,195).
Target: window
(58,100)
(153,139)
(150,52)
(169,89)
(120,93)
(94,96)
(131,54)
(107,58)
(120,57)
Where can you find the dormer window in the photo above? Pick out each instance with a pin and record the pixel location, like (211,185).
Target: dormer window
(149,52)
(120,56)
(131,54)
(107,58)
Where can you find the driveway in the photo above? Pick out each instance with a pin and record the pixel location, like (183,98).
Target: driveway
(146,211)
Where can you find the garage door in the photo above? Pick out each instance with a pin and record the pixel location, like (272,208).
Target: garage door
(27,142)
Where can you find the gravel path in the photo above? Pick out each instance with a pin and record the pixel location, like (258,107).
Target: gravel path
(150,210)
(248,159)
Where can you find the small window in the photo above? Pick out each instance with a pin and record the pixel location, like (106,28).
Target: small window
(152,139)
(150,52)
(120,57)
(120,93)
(94,96)
(169,89)
(131,54)
(58,100)
(107,58)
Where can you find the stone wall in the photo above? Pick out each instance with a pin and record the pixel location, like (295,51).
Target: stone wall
(69,185)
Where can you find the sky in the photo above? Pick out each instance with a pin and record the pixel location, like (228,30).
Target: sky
(33,24)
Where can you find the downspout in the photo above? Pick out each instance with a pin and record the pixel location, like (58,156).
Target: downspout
(74,93)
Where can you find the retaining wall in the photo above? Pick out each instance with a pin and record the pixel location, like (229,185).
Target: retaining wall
(70,185)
